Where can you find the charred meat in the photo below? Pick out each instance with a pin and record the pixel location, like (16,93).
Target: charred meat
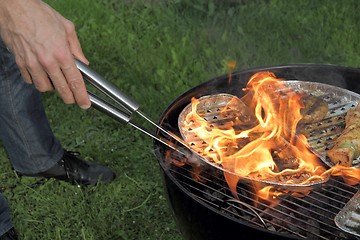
(347,145)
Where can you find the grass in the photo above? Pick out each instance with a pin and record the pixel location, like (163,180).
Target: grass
(154,51)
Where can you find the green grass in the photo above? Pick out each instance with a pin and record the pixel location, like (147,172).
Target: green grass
(154,51)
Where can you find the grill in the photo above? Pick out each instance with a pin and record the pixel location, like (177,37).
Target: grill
(321,134)
(310,216)
(201,200)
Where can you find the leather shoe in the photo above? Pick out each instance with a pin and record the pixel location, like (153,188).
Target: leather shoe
(10,235)
(71,168)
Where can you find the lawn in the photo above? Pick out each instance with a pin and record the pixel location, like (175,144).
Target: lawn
(154,51)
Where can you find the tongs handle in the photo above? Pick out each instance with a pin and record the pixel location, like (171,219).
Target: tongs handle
(126,102)
(109,109)
(107,87)
(117,114)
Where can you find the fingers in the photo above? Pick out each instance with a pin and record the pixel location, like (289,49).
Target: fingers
(32,72)
(75,82)
(61,74)
(39,77)
(68,82)
(61,86)
(74,42)
(72,74)
(23,69)
(25,74)
(76,85)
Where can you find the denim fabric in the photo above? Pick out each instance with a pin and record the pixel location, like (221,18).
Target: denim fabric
(5,223)
(24,128)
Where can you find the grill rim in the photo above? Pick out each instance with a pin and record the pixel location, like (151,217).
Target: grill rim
(289,71)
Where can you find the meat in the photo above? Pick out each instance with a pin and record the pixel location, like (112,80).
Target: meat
(315,109)
(347,145)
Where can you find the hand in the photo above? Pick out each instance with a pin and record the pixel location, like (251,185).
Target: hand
(44,44)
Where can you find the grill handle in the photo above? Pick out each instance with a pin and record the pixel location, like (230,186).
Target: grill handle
(107,87)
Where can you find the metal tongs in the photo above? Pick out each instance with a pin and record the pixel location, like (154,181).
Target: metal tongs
(174,142)
(131,107)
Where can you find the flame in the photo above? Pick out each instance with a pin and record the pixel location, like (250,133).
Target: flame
(231,64)
(350,175)
(270,151)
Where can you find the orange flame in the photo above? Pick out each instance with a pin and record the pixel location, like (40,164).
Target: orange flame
(231,64)
(350,175)
(270,151)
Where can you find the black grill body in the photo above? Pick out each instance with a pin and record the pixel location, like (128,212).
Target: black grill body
(198,219)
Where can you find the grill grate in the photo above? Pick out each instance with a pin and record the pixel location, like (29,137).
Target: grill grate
(310,216)
(321,135)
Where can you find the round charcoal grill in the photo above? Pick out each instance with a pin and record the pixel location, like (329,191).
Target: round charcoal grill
(202,203)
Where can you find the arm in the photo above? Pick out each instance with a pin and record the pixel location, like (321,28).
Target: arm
(44,44)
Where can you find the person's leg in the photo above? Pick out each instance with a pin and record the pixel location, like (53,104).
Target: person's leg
(30,143)
(24,128)
(5,222)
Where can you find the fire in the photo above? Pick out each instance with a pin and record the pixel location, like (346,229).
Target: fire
(264,146)
(231,64)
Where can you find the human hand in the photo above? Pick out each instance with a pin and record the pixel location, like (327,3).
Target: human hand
(44,44)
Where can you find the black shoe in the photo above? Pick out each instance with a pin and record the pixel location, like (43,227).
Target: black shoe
(10,235)
(77,171)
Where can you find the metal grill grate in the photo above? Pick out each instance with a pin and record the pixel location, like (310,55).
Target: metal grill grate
(321,135)
(310,216)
